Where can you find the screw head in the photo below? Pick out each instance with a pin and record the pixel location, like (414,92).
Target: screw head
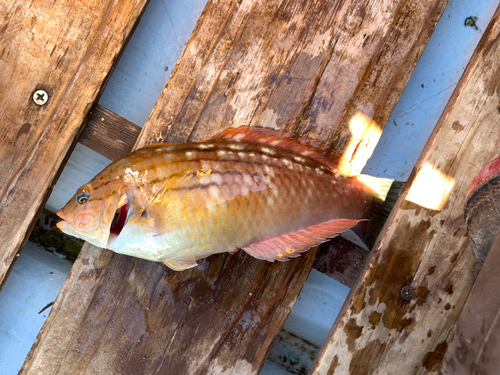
(40,97)
(407,292)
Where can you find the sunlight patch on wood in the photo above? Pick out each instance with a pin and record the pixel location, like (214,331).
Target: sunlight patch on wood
(365,134)
(431,188)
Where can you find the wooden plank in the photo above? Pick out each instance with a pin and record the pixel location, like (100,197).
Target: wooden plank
(398,317)
(475,345)
(342,260)
(247,61)
(108,134)
(66,49)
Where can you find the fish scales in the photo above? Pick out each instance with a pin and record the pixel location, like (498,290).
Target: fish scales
(183,202)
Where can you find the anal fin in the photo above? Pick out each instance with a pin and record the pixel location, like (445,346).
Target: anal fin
(290,245)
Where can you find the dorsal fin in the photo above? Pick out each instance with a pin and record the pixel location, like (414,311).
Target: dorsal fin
(289,142)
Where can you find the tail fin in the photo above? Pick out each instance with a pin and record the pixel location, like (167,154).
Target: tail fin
(385,195)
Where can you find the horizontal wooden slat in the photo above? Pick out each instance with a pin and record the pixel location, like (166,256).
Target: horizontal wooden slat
(399,315)
(67,49)
(342,260)
(108,134)
(247,62)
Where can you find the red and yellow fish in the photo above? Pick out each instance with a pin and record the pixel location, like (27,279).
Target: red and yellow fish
(269,193)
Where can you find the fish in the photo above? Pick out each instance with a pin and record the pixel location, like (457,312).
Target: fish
(270,193)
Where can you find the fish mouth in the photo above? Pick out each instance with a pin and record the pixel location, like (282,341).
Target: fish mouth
(62,224)
(119,220)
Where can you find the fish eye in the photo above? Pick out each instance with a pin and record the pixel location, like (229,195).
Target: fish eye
(82,197)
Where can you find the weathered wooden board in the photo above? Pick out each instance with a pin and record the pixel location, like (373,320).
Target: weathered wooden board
(257,62)
(66,48)
(475,345)
(342,260)
(398,317)
(108,134)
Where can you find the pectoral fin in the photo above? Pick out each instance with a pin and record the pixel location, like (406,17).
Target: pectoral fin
(181,261)
(169,203)
(290,245)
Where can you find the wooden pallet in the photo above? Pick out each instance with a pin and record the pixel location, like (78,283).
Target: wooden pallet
(300,66)
(305,67)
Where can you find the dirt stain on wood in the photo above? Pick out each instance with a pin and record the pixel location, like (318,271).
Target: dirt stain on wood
(457,127)
(374,319)
(353,332)
(333,365)
(454,257)
(361,363)
(432,360)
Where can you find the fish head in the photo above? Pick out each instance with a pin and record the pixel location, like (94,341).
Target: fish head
(94,213)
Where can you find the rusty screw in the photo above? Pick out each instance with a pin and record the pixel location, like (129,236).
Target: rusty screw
(407,292)
(40,97)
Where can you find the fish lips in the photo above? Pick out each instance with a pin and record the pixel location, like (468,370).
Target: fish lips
(67,228)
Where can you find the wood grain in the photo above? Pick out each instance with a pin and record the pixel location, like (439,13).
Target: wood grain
(66,48)
(475,344)
(342,260)
(398,317)
(108,134)
(247,62)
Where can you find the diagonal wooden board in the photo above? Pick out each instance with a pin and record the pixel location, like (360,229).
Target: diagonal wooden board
(474,348)
(66,48)
(258,62)
(399,315)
